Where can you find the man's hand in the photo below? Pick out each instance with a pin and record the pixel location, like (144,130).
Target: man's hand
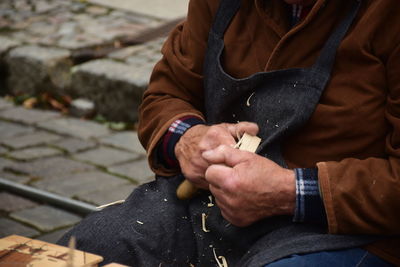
(248,187)
(201,138)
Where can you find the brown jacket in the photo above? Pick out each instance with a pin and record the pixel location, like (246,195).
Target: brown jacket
(353,137)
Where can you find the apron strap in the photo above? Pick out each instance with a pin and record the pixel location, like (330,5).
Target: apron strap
(326,58)
(225,13)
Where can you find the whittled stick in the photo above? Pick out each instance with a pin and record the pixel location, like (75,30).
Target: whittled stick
(186,190)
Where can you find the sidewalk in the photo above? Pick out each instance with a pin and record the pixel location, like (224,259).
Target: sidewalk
(87,51)
(79,159)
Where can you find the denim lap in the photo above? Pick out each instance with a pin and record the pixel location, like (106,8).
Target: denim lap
(355,257)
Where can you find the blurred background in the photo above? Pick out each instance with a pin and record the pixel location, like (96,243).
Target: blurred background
(72,74)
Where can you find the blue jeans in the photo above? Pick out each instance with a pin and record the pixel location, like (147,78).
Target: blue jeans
(355,257)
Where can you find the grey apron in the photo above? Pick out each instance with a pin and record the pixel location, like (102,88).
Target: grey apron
(154,228)
(278,101)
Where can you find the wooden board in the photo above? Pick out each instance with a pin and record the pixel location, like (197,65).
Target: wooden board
(21,251)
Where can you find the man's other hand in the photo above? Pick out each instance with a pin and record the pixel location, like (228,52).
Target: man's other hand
(248,187)
(201,138)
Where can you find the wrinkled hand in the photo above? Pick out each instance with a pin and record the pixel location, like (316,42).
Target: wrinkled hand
(201,138)
(248,187)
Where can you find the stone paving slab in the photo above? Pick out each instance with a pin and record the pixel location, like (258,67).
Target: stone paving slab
(152,8)
(3,150)
(9,129)
(108,195)
(38,53)
(4,104)
(144,55)
(53,237)
(28,116)
(81,183)
(112,70)
(9,227)
(10,202)
(73,145)
(32,139)
(51,167)
(45,218)
(76,128)
(34,153)
(32,68)
(104,156)
(125,140)
(5,163)
(6,44)
(21,179)
(95,79)
(137,171)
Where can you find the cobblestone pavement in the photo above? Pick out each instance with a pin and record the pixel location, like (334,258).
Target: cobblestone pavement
(51,46)
(71,47)
(74,158)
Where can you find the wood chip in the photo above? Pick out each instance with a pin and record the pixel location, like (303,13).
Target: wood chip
(248,99)
(221,260)
(110,204)
(203,223)
(210,204)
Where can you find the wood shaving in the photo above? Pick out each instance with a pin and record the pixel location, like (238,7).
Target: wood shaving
(210,204)
(248,99)
(110,204)
(203,223)
(221,260)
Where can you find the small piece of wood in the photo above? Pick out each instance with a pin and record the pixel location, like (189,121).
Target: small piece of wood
(21,251)
(186,190)
(249,143)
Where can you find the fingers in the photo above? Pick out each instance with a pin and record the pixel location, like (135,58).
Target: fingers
(193,169)
(225,134)
(215,136)
(219,175)
(240,128)
(230,207)
(226,155)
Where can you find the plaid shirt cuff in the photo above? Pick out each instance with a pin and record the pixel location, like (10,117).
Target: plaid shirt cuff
(309,204)
(166,149)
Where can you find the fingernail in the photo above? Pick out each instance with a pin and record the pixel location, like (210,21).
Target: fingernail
(207,153)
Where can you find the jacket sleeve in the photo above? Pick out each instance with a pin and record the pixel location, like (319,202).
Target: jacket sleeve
(363,196)
(176,84)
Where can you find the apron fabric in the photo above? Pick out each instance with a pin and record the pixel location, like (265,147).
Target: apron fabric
(154,228)
(278,101)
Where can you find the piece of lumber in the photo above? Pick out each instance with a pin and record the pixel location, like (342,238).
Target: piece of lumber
(21,251)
